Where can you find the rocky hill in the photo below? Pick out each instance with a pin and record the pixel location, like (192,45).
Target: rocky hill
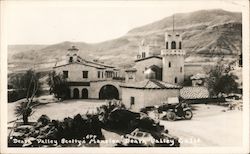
(207,35)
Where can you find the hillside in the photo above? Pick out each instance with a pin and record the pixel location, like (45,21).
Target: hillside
(207,35)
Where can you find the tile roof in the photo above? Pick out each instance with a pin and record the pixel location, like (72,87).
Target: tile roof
(148,58)
(194,92)
(151,84)
(84,62)
(80,63)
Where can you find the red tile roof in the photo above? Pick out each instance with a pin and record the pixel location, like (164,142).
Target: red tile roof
(151,84)
(194,92)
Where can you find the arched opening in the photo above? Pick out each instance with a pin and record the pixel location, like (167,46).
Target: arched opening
(169,64)
(166,45)
(173,45)
(175,80)
(76,93)
(85,93)
(70,59)
(179,45)
(158,72)
(109,92)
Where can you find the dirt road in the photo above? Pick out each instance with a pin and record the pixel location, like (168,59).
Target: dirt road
(210,126)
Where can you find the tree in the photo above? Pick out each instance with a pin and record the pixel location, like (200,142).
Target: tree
(29,82)
(220,80)
(58,85)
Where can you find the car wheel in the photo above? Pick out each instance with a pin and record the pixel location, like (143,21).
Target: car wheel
(171,116)
(188,114)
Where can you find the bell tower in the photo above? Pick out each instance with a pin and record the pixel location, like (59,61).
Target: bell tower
(143,50)
(173,58)
(72,54)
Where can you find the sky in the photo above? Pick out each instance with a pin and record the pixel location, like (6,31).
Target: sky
(49,22)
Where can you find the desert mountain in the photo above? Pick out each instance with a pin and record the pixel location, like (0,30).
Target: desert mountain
(207,35)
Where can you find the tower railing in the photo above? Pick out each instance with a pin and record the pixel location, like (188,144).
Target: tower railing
(172,52)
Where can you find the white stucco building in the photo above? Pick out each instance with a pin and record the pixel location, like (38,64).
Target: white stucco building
(88,79)
(156,75)
(167,62)
(148,92)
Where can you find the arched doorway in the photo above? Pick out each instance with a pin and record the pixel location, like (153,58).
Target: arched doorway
(109,92)
(76,93)
(85,93)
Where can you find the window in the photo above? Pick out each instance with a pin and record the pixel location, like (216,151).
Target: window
(175,80)
(102,74)
(181,69)
(85,74)
(169,64)
(179,45)
(70,59)
(132,101)
(173,45)
(143,54)
(166,45)
(109,74)
(66,74)
(98,74)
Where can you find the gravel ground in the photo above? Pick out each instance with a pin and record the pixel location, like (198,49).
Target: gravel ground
(59,110)
(210,126)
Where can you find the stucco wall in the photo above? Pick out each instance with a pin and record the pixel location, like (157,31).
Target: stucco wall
(157,96)
(169,73)
(147,97)
(75,72)
(141,65)
(80,90)
(95,88)
(171,38)
(127,93)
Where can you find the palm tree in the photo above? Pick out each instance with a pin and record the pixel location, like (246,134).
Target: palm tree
(25,108)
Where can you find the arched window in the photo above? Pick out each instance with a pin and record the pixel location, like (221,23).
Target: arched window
(181,69)
(70,59)
(173,45)
(166,45)
(175,80)
(179,45)
(169,64)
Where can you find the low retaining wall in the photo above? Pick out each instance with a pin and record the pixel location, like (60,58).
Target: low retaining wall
(205,100)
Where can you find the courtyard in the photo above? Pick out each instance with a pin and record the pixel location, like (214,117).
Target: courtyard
(211,125)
